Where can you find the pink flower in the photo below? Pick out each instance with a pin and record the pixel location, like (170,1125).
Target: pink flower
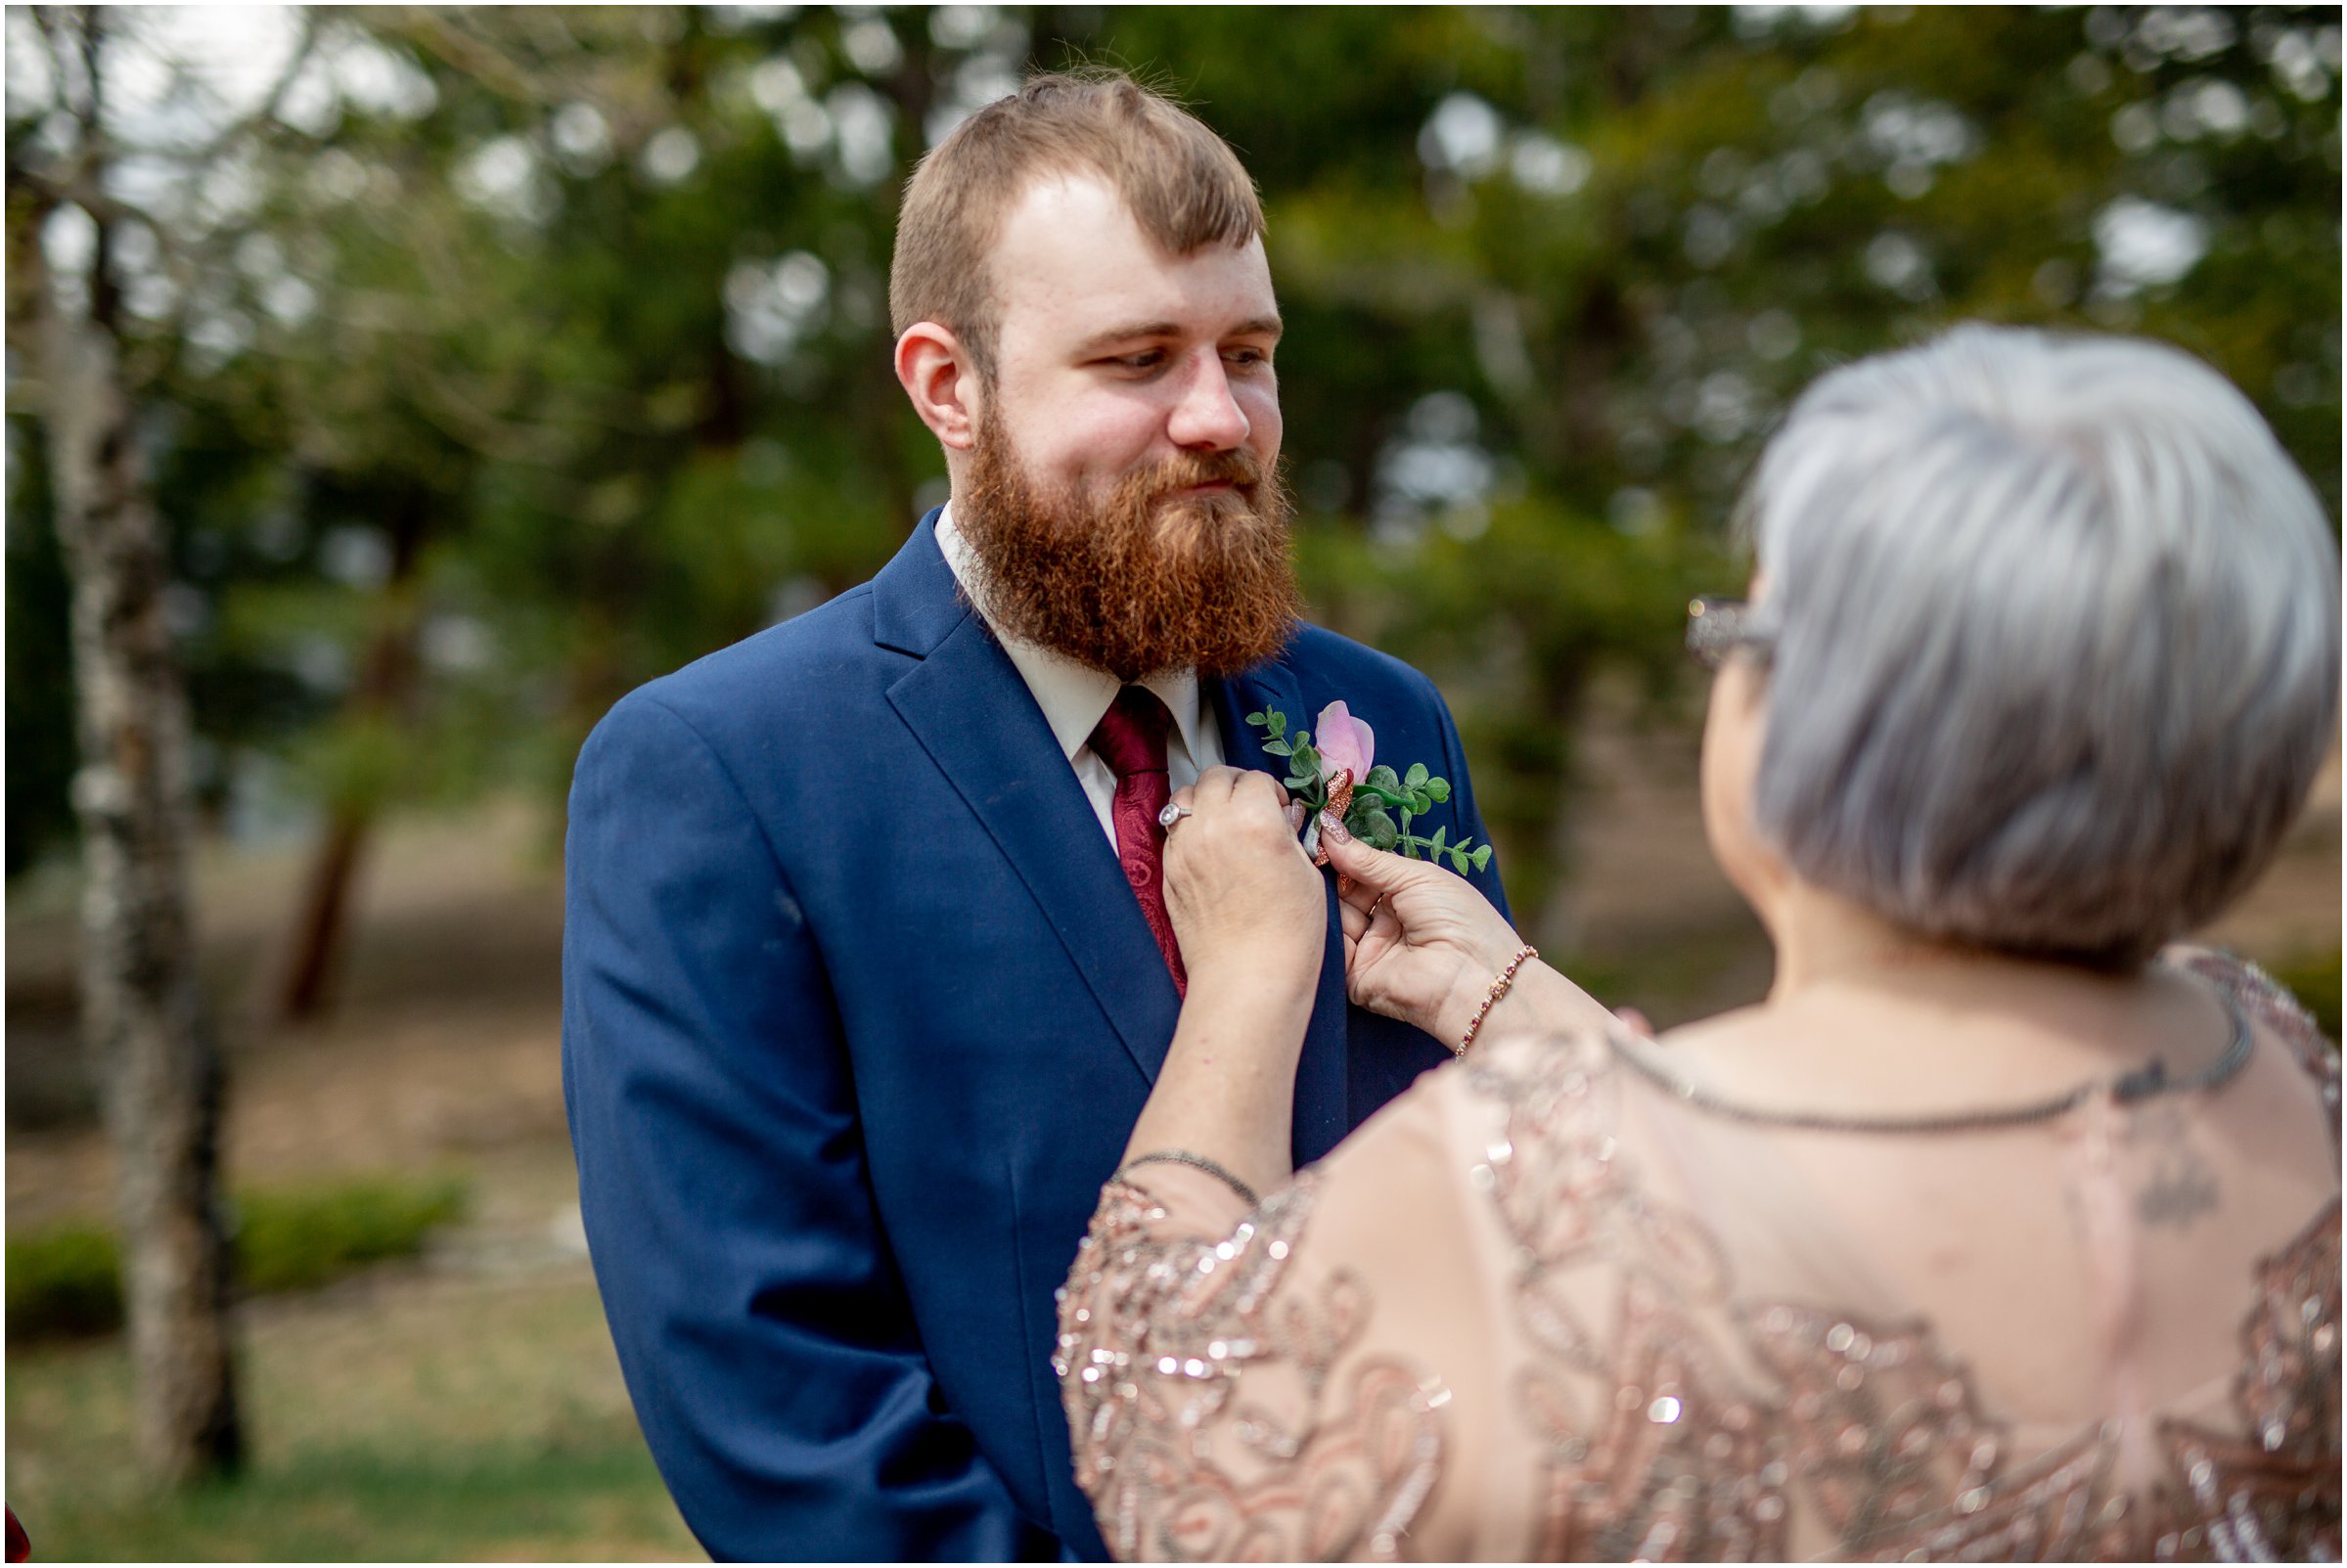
(1343,741)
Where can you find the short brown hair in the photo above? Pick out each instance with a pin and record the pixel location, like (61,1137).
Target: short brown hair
(1185,186)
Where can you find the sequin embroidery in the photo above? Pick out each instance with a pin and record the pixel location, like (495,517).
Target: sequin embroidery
(1873,1426)
(1154,1343)
(1673,1419)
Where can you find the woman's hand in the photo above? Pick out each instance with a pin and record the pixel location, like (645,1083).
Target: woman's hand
(1240,888)
(1419,944)
(1251,914)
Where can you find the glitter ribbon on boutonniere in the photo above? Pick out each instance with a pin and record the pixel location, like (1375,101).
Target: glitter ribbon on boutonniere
(1339,774)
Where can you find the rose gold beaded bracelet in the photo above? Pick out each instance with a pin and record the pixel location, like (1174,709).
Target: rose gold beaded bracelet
(1491,998)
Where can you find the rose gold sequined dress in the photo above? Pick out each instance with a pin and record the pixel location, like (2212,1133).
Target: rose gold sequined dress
(1540,1308)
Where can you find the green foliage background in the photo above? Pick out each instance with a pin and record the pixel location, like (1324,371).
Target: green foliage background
(67,1280)
(548,348)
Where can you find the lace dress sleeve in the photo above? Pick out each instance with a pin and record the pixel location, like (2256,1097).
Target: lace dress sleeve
(1245,1384)
(2275,1011)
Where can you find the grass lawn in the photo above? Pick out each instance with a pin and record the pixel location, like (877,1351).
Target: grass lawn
(402,1415)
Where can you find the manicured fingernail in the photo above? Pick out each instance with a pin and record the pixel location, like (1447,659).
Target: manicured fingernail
(1330,827)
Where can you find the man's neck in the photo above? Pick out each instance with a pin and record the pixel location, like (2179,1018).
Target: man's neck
(1071,694)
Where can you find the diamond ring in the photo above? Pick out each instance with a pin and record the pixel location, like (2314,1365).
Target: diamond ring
(1173,813)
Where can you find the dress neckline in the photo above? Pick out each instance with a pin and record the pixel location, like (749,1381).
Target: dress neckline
(2145,1082)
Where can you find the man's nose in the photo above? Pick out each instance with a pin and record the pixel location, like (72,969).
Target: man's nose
(1207,418)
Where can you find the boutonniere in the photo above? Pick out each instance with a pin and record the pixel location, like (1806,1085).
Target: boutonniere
(1339,774)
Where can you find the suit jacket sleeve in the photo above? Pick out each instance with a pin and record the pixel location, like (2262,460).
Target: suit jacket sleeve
(760,1324)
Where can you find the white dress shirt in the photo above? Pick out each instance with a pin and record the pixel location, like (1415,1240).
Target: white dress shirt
(1073,697)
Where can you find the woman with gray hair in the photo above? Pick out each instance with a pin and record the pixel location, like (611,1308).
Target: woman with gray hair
(2002,1228)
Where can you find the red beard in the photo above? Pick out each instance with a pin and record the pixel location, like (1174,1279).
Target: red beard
(1146,580)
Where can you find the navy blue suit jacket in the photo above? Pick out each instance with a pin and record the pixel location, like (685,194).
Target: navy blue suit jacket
(858,1011)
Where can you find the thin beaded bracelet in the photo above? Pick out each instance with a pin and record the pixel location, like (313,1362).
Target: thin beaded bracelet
(1183,1156)
(1491,998)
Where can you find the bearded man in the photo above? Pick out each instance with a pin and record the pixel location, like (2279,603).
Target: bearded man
(867,972)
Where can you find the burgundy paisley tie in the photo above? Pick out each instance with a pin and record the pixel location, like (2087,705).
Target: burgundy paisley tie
(1131,740)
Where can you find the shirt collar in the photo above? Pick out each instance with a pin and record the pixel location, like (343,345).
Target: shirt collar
(1073,696)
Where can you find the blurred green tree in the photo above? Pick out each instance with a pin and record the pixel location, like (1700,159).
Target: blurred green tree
(1552,274)
(565,357)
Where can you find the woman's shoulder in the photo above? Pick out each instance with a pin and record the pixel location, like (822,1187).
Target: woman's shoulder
(2269,1005)
(1524,1121)
(1529,1123)
(1555,1081)
(2265,998)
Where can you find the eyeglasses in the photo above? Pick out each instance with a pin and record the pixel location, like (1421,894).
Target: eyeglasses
(1717,627)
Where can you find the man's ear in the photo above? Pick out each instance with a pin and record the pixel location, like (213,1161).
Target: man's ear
(935,372)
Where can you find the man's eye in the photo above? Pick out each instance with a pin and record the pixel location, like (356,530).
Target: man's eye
(1247,357)
(1146,359)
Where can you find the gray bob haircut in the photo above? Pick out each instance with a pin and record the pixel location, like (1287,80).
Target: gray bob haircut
(2055,640)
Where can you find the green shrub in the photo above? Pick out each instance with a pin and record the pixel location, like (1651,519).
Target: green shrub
(63,1282)
(295,1239)
(68,1279)
(2314,978)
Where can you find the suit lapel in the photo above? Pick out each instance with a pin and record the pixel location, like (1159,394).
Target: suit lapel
(1320,1075)
(1266,685)
(972,713)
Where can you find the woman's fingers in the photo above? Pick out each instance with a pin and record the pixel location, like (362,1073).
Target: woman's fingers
(1219,786)
(1252,779)
(1216,783)
(1233,807)
(1374,872)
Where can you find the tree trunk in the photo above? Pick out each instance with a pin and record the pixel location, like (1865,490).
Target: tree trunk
(141,1011)
(386,688)
(317,935)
